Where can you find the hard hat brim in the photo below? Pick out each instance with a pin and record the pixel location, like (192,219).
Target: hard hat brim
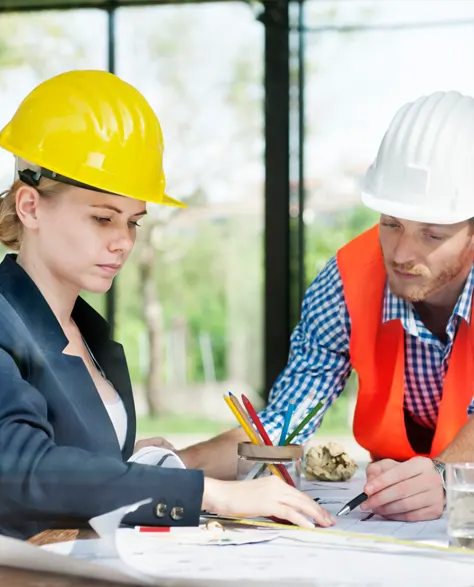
(165,200)
(413,213)
(169,201)
(108,126)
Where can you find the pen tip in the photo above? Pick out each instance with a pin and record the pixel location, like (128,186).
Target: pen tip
(344,510)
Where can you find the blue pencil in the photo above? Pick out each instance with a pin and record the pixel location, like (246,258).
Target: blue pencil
(286,423)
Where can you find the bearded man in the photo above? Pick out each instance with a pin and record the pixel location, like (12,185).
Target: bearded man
(395,305)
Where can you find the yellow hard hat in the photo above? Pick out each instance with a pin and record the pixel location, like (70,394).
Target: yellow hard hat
(91,129)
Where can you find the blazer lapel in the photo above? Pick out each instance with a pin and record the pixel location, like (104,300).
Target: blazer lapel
(111,357)
(84,401)
(22,294)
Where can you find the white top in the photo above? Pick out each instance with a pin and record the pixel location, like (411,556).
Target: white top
(118,415)
(115,409)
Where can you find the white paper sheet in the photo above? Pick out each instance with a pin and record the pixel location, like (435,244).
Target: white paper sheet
(334,495)
(311,558)
(326,557)
(301,563)
(363,523)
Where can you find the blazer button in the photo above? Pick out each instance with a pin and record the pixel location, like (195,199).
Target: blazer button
(161,509)
(177,513)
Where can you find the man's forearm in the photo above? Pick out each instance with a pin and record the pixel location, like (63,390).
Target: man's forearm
(217,456)
(461,449)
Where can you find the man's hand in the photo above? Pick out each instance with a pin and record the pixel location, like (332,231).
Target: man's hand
(155,441)
(408,492)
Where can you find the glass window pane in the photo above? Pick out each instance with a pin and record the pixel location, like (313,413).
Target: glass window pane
(35,46)
(190,300)
(357,78)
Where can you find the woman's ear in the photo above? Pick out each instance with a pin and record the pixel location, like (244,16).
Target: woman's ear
(27,202)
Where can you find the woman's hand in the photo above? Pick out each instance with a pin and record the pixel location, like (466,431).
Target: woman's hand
(263,497)
(154,441)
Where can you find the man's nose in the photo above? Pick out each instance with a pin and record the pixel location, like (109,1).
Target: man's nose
(404,252)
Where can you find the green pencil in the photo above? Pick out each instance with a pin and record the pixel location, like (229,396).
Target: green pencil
(303,423)
(295,432)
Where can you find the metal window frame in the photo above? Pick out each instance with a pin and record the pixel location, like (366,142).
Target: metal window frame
(281,301)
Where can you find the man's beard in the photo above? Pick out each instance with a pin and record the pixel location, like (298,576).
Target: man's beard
(428,284)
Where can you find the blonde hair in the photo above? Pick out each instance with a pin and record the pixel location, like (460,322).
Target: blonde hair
(11,227)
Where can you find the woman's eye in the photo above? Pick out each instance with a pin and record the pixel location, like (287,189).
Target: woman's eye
(133,223)
(435,237)
(101,219)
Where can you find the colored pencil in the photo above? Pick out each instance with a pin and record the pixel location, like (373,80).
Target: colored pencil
(266,439)
(286,423)
(244,422)
(302,424)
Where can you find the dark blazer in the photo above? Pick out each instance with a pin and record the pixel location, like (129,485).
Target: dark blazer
(60,461)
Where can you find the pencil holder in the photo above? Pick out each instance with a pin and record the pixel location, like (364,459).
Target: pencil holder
(260,461)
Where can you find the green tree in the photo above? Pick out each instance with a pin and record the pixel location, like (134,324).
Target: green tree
(329,232)
(187,260)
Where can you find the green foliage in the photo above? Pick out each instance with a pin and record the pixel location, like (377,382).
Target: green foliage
(209,279)
(330,232)
(193,291)
(209,270)
(335,420)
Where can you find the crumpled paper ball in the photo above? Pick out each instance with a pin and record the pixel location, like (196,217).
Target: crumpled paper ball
(329,462)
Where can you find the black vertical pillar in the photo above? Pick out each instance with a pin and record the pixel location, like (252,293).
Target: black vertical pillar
(277,188)
(301,153)
(111,294)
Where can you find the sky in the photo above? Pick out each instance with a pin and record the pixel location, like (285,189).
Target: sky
(365,77)
(355,82)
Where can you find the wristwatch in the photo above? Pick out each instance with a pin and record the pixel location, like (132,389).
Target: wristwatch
(441,468)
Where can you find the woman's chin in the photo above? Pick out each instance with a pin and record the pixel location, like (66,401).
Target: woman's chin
(97,286)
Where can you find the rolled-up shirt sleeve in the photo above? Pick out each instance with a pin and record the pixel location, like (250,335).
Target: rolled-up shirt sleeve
(319,360)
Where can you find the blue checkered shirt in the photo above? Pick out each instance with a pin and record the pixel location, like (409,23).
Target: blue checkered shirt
(319,355)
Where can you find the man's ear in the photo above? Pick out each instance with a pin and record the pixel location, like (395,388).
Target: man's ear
(27,201)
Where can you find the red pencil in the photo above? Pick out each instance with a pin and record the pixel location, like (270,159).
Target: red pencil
(167,529)
(266,439)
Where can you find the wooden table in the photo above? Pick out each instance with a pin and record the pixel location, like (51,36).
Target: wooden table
(10,577)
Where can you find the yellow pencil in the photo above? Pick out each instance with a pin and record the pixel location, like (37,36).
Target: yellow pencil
(245,418)
(254,439)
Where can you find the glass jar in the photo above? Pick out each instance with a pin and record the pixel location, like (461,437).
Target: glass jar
(254,461)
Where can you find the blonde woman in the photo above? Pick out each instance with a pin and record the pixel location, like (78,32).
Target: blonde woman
(88,151)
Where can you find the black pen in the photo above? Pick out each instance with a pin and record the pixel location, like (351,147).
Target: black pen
(351,505)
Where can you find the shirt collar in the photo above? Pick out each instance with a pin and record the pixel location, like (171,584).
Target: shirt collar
(395,308)
(464,303)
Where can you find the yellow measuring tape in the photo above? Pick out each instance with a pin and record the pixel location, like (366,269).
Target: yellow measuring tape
(369,537)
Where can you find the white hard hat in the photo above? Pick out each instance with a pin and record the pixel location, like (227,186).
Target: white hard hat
(424,170)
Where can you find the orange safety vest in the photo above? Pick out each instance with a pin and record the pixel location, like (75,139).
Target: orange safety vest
(377,353)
